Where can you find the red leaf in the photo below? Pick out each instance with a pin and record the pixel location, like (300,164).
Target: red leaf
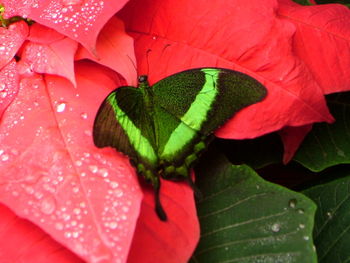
(115,49)
(86,198)
(322,41)
(171,241)
(53,58)
(80,20)
(43,35)
(11,40)
(35,246)
(245,36)
(292,137)
(8,85)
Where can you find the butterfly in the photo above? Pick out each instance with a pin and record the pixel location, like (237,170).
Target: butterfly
(164,128)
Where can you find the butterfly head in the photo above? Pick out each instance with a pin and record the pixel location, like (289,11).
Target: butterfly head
(143,82)
(143,79)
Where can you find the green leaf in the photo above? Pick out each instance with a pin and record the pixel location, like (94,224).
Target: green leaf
(303,2)
(257,153)
(332,220)
(343,2)
(244,218)
(328,144)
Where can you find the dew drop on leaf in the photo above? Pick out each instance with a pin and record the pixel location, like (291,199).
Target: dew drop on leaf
(114,184)
(329,214)
(113,225)
(276,227)
(48,205)
(3,94)
(2,86)
(93,168)
(84,115)
(76,211)
(301,211)
(125,209)
(75,234)
(61,106)
(292,203)
(71,2)
(4,157)
(59,226)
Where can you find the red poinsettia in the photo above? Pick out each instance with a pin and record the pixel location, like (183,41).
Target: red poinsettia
(59,193)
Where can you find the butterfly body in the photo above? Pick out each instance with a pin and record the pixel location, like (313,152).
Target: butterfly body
(165,127)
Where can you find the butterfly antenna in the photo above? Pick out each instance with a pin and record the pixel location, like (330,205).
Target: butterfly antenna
(148,51)
(159,208)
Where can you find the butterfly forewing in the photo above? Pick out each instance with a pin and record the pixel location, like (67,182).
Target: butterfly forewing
(205,98)
(123,123)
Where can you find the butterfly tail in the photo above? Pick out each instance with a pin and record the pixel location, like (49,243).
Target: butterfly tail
(159,208)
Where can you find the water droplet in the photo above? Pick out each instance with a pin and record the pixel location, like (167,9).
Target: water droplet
(292,203)
(276,227)
(75,234)
(3,94)
(84,115)
(4,157)
(48,205)
(302,226)
(88,132)
(329,214)
(59,226)
(67,234)
(301,211)
(93,168)
(114,184)
(76,211)
(29,190)
(75,189)
(2,86)
(66,217)
(125,209)
(38,195)
(71,2)
(306,238)
(113,225)
(118,193)
(60,107)
(103,172)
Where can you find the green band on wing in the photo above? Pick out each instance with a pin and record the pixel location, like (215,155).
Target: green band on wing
(177,140)
(137,140)
(197,113)
(195,116)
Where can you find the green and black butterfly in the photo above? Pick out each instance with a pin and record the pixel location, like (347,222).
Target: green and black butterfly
(165,127)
